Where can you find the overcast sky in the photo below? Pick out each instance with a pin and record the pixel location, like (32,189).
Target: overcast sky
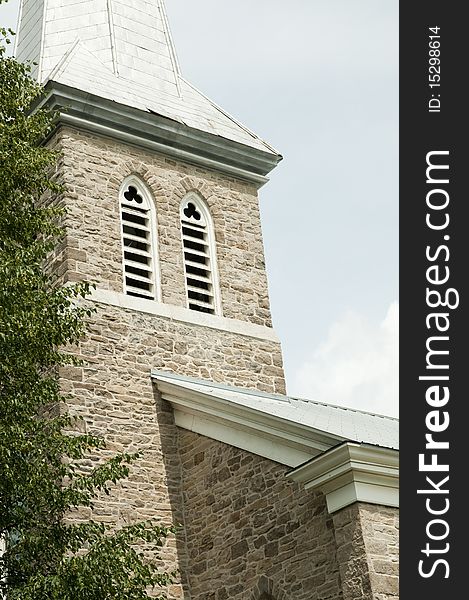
(318,79)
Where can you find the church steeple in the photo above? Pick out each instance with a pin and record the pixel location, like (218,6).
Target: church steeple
(131,39)
(123,52)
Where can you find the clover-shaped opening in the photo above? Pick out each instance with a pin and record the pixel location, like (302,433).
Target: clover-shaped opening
(132,195)
(191,212)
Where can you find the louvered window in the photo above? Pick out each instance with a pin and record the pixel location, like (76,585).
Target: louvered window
(138,241)
(199,257)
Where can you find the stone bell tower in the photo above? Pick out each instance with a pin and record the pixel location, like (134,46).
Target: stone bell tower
(163,216)
(161,192)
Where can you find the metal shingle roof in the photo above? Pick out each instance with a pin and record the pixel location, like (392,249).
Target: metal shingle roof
(123,52)
(342,423)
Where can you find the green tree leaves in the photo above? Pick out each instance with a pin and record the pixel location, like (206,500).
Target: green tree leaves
(48,556)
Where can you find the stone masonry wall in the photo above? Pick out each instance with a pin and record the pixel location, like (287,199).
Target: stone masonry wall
(114,395)
(249,531)
(367,551)
(93,169)
(351,554)
(380,525)
(113,392)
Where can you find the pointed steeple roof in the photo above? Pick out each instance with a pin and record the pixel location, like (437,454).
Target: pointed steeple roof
(121,51)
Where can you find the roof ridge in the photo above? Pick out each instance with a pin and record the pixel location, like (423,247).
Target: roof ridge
(356,410)
(64,61)
(229,116)
(169,38)
(67,58)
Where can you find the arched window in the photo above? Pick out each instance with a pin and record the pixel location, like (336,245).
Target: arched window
(139,247)
(200,265)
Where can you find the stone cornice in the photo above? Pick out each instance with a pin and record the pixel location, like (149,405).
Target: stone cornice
(352,473)
(160,134)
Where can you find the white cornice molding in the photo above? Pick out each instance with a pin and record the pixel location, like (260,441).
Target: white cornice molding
(160,134)
(183,315)
(255,431)
(353,473)
(346,472)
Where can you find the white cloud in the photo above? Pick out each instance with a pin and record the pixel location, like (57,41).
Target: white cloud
(356,366)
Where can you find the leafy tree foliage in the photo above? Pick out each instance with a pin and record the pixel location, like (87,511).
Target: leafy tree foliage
(45,556)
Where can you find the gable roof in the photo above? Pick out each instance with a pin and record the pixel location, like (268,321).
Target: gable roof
(288,430)
(122,52)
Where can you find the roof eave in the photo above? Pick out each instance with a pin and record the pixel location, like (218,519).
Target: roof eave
(345,471)
(352,472)
(154,132)
(266,435)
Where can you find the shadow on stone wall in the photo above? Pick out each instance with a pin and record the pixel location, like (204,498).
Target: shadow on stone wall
(172,464)
(351,554)
(249,531)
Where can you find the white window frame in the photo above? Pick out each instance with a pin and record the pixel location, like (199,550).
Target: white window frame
(148,204)
(202,207)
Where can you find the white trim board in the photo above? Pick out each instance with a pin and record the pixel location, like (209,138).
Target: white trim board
(183,315)
(345,471)
(265,445)
(353,473)
(200,408)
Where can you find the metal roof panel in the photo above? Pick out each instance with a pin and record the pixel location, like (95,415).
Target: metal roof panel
(121,52)
(344,423)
